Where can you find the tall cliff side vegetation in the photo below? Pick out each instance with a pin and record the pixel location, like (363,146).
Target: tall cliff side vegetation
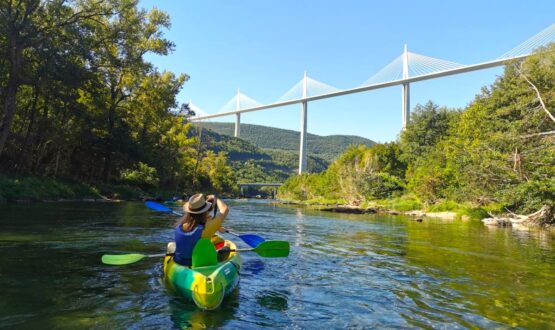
(497,153)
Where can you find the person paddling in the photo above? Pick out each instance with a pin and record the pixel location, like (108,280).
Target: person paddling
(196,224)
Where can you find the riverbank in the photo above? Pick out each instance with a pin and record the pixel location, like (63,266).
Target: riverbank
(406,205)
(445,210)
(27,189)
(417,214)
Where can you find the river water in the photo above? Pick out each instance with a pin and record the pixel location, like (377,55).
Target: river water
(344,271)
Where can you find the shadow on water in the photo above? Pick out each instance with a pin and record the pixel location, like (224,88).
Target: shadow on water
(275,300)
(252,267)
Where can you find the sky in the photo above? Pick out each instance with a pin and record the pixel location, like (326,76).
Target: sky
(264,47)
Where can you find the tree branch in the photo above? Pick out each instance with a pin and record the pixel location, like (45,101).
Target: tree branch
(537,134)
(538,94)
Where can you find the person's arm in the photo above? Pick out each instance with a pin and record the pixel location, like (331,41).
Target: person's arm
(215,223)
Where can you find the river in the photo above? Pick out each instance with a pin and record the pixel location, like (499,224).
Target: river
(357,271)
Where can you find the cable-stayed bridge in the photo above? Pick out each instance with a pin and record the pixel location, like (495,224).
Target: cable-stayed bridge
(405,69)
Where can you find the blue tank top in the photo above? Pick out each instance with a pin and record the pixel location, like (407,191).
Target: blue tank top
(185,243)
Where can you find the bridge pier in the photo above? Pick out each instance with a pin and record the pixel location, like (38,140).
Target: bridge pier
(302,150)
(405,97)
(238,115)
(237,125)
(302,146)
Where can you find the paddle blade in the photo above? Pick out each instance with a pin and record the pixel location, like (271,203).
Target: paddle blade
(273,249)
(204,254)
(121,259)
(252,240)
(158,207)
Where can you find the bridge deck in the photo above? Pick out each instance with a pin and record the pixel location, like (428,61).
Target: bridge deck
(246,184)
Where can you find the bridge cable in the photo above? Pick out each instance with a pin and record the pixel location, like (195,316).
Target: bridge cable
(541,39)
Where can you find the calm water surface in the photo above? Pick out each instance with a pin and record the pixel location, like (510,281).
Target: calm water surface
(354,271)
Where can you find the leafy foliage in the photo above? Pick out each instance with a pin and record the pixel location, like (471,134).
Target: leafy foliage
(79,100)
(142,175)
(34,188)
(360,173)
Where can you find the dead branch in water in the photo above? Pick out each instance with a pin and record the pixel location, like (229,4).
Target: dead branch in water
(542,217)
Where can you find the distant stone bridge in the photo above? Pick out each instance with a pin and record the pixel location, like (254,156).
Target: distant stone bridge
(252,184)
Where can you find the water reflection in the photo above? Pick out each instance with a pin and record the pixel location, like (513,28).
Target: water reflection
(544,238)
(496,270)
(299,219)
(185,315)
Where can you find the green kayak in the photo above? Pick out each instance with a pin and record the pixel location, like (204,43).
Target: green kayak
(208,281)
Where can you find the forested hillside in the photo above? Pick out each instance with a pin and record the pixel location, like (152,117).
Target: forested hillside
(498,154)
(326,147)
(253,164)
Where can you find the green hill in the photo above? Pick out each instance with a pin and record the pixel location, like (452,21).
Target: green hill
(325,147)
(253,164)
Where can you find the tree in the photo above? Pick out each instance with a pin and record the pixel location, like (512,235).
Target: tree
(497,149)
(25,25)
(121,42)
(429,124)
(220,174)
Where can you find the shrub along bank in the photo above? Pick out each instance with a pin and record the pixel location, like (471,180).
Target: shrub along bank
(34,189)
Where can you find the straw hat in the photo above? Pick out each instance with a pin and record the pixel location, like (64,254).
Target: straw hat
(197,204)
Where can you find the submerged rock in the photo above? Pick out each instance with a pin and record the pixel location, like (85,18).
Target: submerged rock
(416,213)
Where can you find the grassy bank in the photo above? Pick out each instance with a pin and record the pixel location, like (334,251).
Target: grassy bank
(28,188)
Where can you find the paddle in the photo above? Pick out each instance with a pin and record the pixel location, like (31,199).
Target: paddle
(161,208)
(268,249)
(125,259)
(251,240)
